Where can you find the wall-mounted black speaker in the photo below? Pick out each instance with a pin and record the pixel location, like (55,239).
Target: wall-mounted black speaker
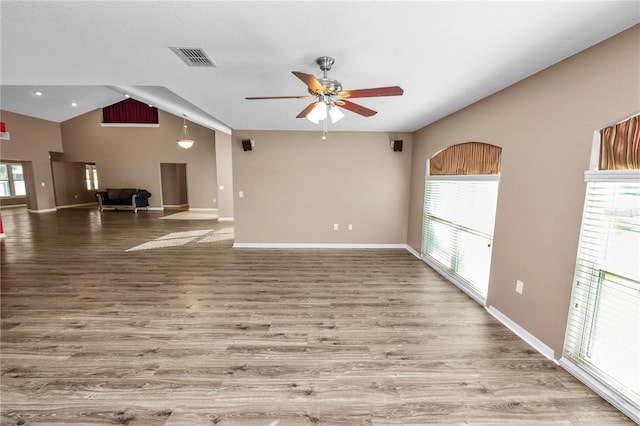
(397,145)
(246,144)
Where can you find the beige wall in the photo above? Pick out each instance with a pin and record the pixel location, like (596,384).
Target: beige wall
(130,157)
(69,180)
(31,140)
(296,186)
(544,125)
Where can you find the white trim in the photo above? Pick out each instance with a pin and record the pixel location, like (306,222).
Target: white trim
(42,211)
(459,178)
(11,206)
(614,398)
(318,245)
(203,210)
(612,176)
(474,294)
(174,206)
(412,251)
(129,125)
(150,208)
(225,219)
(68,206)
(529,338)
(595,151)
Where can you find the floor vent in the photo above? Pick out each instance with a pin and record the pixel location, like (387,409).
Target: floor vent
(193,56)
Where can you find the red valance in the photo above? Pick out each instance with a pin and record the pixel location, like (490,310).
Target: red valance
(130,111)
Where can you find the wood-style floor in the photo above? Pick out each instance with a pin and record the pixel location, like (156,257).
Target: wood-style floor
(188,331)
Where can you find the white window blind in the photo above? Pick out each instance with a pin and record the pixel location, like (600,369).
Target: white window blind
(603,330)
(459,218)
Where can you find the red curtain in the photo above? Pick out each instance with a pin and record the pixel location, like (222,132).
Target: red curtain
(130,111)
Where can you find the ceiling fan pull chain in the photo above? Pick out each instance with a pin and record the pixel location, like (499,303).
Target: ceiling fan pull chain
(324,133)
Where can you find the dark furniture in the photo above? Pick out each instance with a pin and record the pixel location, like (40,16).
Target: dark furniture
(123,198)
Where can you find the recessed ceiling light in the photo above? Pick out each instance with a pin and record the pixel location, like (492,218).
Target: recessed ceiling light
(37,93)
(150,106)
(73,104)
(126,95)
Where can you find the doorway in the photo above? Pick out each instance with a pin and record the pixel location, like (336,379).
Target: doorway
(173,180)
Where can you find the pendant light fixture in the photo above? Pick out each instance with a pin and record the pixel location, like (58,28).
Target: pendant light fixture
(185,140)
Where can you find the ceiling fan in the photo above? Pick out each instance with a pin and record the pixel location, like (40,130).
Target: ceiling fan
(329,95)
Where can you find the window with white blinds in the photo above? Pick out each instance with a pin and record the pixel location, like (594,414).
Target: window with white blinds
(459,218)
(603,330)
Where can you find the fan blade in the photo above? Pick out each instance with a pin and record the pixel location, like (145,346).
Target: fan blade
(358,109)
(307,110)
(372,93)
(312,83)
(253,98)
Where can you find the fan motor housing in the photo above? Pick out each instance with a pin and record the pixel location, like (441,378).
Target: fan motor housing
(332,87)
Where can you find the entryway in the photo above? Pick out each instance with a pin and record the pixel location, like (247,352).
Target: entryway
(173,180)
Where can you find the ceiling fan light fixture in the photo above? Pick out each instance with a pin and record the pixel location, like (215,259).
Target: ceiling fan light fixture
(318,113)
(335,114)
(185,140)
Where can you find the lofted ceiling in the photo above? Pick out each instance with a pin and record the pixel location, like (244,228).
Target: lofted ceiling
(444,54)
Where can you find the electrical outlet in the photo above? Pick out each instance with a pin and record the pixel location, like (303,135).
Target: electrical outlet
(519,286)
(335,227)
(350,227)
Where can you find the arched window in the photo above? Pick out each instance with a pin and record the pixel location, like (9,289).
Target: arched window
(461,192)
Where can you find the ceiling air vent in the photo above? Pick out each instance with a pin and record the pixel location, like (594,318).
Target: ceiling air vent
(193,56)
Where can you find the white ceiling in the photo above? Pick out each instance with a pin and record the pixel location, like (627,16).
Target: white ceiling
(445,55)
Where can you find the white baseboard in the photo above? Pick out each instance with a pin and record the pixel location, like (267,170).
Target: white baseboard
(628,408)
(69,206)
(151,208)
(203,210)
(225,219)
(42,211)
(532,340)
(481,299)
(318,245)
(412,251)
(175,206)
